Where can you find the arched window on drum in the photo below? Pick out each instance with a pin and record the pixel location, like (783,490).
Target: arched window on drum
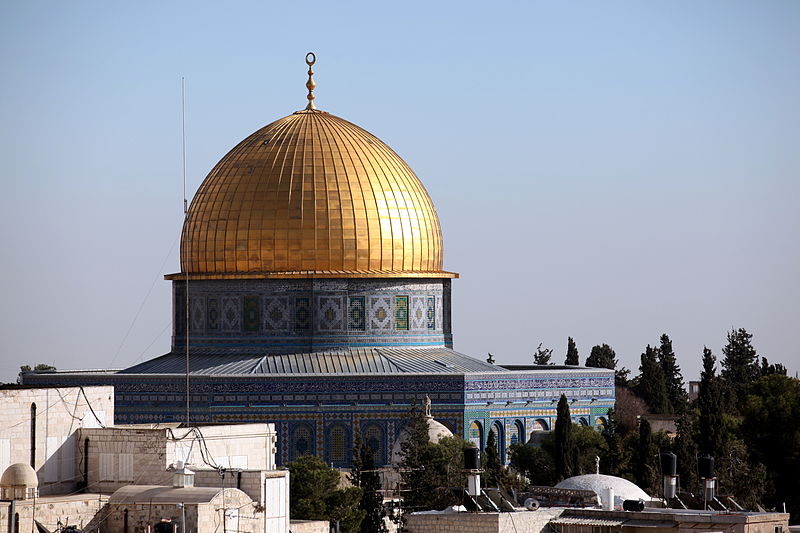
(337,445)
(302,441)
(476,434)
(372,437)
(499,434)
(516,433)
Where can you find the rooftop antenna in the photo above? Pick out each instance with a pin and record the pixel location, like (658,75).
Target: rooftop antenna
(185,217)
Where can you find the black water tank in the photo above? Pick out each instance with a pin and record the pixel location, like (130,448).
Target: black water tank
(669,464)
(633,505)
(705,466)
(472,459)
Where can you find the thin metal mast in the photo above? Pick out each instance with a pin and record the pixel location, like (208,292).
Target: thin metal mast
(185,216)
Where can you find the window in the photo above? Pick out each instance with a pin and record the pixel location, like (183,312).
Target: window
(337,444)
(302,442)
(373,439)
(401,312)
(476,434)
(33,436)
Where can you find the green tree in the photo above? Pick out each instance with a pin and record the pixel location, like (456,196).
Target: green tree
(565,451)
(572,353)
(364,476)
(495,474)
(491,460)
(651,386)
(313,494)
(739,367)
(589,445)
(644,466)
(768,369)
(428,470)
(535,462)
(613,458)
(709,403)
(542,355)
(686,452)
(771,430)
(602,356)
(676,394)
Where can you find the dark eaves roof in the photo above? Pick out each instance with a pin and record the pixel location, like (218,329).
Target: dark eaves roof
(353,361)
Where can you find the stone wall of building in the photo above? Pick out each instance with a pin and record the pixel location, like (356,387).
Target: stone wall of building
(527,521)
(235,508)
(53,511)
(119,456)
(301,315)
(38,426)
(310,526)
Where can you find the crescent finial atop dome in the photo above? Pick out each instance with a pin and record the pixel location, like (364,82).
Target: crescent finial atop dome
(311,58)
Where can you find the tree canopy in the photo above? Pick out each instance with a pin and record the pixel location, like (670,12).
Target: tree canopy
(602,356)
(572,353)
(314,494)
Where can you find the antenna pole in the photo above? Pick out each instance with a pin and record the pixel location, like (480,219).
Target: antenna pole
(185,217)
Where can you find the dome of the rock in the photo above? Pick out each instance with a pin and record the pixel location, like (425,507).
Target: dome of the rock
(311,195)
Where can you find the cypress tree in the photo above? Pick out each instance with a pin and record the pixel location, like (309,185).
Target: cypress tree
(566,454)
(602,356)
(651,386)
(491,462)
(686,452)
(739,366)
(364,476)
(709,403)
(644,471)
(572,353)
(676,395)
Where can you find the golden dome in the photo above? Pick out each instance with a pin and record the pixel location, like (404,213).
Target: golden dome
(311,195)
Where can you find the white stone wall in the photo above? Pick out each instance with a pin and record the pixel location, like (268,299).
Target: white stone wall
(141,455)
(527,521)
(75,510)
(60,413)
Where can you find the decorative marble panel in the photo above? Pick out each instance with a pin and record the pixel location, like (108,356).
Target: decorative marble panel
(197,313)
(231,314)
(276,313)
(418,313)
(380,312)
(330,313)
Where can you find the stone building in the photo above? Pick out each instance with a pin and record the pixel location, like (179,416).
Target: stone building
(38,426)
(61,458)
(312,295)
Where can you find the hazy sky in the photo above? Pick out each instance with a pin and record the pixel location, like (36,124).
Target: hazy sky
(603,170)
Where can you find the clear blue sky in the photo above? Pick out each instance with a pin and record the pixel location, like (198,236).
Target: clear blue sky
(605,170)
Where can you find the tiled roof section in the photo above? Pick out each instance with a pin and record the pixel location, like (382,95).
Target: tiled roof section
(379,361)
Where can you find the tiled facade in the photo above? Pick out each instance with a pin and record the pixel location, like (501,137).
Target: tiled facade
(321,414)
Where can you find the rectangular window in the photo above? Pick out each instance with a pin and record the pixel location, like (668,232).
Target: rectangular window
(431,312)
(252,313)
(401,312)
(356,319)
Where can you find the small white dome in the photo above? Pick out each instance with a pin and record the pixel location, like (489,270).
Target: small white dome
(19,475)
(436,432)
(19,482)
(623,489)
